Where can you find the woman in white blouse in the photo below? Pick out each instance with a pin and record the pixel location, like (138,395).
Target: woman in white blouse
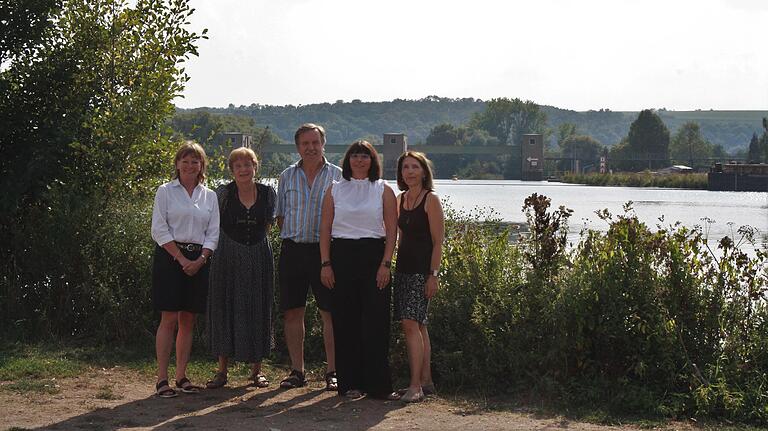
(185,226)
(357,239)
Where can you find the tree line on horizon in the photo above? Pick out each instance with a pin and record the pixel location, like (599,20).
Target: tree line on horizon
(647,142)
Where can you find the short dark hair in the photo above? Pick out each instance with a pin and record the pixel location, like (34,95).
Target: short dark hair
(308,127)
(426,164)
(364,147)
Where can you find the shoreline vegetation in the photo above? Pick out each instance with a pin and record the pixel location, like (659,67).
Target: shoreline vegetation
(627,323)
(693,181)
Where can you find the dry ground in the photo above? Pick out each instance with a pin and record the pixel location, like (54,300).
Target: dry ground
(118,398)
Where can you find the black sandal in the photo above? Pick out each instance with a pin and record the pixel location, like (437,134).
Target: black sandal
(187,387)
(294,380)
(331,382)
(164,393)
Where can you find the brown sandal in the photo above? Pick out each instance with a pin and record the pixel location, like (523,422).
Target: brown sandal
(187,387)
(168,392)
(218,381)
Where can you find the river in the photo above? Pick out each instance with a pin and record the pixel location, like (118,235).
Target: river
(726,210)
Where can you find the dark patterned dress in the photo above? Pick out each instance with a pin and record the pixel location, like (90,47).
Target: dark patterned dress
(242,278)
(414,255)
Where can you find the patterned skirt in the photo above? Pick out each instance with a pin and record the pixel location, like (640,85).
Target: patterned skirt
(410,301)
(240,300)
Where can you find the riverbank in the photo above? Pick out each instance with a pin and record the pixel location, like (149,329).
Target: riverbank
(693,181)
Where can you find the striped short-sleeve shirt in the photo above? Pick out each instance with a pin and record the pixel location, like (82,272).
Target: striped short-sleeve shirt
(300,205)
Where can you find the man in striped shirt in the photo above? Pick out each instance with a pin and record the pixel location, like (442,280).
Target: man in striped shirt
(299,202)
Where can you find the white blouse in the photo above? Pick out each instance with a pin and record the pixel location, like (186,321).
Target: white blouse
(178,217)
(358,209)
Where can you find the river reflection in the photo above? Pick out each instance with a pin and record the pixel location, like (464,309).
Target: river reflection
(727,211)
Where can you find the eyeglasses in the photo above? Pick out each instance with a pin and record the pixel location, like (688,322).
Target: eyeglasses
(361,156)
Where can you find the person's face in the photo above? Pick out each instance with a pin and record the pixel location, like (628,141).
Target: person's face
(310,146)
(189,167)
(243,170)
(412,172)
(360,164)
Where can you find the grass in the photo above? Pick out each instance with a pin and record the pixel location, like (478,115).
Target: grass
(697,181)
(36,369)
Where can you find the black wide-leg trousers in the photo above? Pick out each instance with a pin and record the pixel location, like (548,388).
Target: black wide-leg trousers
(361,317)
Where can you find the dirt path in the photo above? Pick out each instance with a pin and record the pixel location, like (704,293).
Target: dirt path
(84,403)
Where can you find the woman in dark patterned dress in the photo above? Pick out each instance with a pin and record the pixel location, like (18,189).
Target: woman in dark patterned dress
(242,274)
(421,229)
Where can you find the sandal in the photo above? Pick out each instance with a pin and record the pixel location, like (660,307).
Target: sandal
(353,394)
(187,387)
(218,380)
(413,397)
(168,392)
(294,380)
(331,382)
(259,380)
(429,389)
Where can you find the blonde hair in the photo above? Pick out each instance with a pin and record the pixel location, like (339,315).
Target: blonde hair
(194,149)
(243,153)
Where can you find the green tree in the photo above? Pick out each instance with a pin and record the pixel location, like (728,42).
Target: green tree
(565,131)
(688,144)
(764,140)
(584,149)
(755,153)
(83,142)
(509,119)
(648,141)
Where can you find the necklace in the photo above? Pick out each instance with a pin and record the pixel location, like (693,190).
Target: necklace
(410,208)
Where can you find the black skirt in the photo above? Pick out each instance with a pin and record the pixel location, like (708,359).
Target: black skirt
(172,289)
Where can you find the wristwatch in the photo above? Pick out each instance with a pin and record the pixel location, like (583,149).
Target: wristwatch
(435,273)
(326,263)
(387,263)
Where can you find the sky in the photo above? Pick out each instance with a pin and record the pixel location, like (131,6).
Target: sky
(623,55)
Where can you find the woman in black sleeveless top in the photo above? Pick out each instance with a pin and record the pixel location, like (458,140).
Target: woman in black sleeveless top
(421,230)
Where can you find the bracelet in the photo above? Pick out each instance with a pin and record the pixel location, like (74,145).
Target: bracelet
(325,263)
(387,264)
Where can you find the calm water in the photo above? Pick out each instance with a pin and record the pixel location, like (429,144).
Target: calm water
(727,210)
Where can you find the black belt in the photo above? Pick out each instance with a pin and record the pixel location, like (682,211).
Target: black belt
(188,246)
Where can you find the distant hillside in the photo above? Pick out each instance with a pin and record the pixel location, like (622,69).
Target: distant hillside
(347,121)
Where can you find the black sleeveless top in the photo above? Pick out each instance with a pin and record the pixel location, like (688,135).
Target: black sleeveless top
(414,252)
(248,226)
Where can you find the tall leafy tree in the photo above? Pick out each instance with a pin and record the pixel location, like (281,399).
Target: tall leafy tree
(755,153)
(648,140)
(83,140)
(565,131)
(688,144)
(509,119)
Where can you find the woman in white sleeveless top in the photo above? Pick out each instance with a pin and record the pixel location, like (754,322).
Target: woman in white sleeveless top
(357,239)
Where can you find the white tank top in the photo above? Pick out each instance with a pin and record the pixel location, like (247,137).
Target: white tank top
(358,209)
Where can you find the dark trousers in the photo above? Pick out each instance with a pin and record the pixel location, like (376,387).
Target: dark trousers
(361,317)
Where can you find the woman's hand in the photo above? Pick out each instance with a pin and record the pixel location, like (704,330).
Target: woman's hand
(430,287)
(382,277)
(192,266)
(326,277)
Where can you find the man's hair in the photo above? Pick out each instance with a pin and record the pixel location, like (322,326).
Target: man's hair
(308,127)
